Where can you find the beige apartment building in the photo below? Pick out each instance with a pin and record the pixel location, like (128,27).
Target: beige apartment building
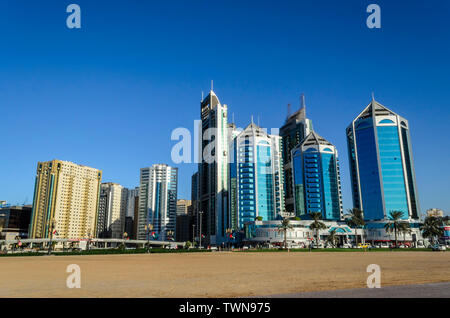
(66,198)
(183,207)
(112,210)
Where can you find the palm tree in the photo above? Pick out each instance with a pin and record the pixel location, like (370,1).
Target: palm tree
(394,223)
(355,219)
(284,227)
(432,227)
(405,228)
(317,224)
(332,238)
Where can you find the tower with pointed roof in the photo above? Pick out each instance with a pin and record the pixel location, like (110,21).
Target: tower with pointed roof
(213,170)
(256,178)
(316,178)
(294,130)
(381,164)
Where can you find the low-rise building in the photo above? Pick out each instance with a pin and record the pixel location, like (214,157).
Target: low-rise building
(14,221)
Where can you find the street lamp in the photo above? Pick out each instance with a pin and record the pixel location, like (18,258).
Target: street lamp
(89,240)
(148,228)
(52,225)
(229,235)
(200,236)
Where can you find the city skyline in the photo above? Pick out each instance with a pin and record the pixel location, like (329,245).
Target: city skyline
(117,102)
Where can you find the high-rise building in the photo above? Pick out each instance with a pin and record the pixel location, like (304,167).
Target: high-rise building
(131,206)
(158,201)
(112,210)
(183,206)
(66,197)
(256,176)
(213,170)
(14,221)
(316,184)
(381,164)
(294,130)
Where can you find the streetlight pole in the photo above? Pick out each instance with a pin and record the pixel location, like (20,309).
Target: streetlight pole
(148,227)
(52,225)
(193,234)
(200,237)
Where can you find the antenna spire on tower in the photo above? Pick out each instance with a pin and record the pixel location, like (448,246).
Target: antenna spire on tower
(302,100)
(373,96)
(288,110)
(212,84)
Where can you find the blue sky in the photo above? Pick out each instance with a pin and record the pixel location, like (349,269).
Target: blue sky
(109,94)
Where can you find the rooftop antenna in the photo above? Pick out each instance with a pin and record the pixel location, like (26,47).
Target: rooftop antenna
(232,116)
(202,96)
(252,119)
(302,100)
(288,110)
(373,96)
(212,84)
(258,121)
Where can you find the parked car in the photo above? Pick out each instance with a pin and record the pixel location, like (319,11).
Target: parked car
(438,247)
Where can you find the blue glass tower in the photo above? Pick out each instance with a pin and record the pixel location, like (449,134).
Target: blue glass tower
(316,182)
(256,178)
(381,164)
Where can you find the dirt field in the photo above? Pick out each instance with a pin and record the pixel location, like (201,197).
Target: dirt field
(223,274)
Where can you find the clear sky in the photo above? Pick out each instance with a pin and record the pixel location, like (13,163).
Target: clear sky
(109,94)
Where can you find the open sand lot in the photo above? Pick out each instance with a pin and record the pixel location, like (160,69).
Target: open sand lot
(219,274)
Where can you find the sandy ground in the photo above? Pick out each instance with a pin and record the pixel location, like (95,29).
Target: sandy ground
(220,274)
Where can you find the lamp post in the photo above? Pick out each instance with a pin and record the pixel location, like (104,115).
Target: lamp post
(193,235)
(200,236)
(89,240)
(229,232)
(52,225)
(148,228)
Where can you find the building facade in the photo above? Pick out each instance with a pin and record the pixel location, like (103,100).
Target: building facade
(183,206)
(381,164)
(294,130)
(316,183)
(213,170)
(14,221)
(256,177)
(112,210)
(66,198)
(158,201)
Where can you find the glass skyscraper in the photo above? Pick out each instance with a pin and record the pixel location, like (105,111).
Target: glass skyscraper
(381,164)
(213,169)
(256,179)
(316,178)
(294,130)
(158,200)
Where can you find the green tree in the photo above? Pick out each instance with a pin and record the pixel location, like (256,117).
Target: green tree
(355,219)
(394,223)
(284,227)
(259,218)
(332,238)
(432,228)
(317,224)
